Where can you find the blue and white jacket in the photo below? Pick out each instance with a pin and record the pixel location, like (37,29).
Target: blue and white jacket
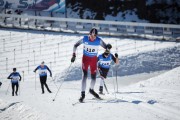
(43,70)
(15,77)
(90,48)
(104,62)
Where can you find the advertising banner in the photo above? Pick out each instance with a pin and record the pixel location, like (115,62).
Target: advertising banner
(38,5)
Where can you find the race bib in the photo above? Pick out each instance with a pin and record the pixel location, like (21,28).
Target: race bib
(15,78)
(91,48)
(105,63)
(42,71)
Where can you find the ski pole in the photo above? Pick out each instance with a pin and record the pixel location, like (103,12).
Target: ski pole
(53,80)
(114,89)
(105,87)
(61,83)
(116,80)
(116,67)
(8,88)
(35,81)
(104,84)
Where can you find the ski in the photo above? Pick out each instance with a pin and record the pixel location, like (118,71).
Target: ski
(73,104)
(87,101)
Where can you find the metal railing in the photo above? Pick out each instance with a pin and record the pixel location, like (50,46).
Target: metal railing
(84,25)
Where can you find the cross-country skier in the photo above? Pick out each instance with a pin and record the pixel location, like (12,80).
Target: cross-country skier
(15,78)
(104,63)
(43,76)
(90,50)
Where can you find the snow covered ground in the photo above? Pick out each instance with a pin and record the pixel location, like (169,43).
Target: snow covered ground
(153,99)
(144,96)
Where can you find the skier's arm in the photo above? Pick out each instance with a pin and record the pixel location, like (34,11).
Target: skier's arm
(103,44)
(49,71)
(9,77)
(74,50)
(36,69)
(77,44)
(20,77)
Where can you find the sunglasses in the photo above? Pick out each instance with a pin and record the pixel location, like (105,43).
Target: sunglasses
(106,54)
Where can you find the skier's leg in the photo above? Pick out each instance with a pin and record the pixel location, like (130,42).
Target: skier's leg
(101,86)
(12,89)
(103,72)
(17,86)
(93,67)
(85,65)
(93,80)
(84,79)
(42,84)
(45,79)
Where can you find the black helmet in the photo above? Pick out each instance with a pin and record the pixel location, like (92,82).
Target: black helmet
(108,46)
(14,69)
(94,31)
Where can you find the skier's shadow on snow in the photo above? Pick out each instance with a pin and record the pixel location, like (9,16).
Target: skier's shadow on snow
(134,101)
(10,105)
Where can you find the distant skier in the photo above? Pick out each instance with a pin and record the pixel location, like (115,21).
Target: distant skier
(90,50)
(104,63)
(15,78)
(43,76)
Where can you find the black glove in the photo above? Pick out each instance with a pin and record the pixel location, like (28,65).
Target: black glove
(34,71)
(108,46)
(116,55)
(50,75)
(20,80)
(73,57)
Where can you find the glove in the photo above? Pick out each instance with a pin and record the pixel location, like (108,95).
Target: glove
(20,80)
(34,71)
(116,55)
(108,46)
(73,57)
(51,75)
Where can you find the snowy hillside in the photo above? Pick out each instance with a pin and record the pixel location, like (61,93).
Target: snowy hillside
(136,99)
(153,99)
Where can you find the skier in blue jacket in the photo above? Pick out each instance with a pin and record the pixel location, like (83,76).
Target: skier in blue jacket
(43,76)
(15,78)
(104,63)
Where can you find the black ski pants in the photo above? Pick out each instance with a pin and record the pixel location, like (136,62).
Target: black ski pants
(13,88)
(43,83)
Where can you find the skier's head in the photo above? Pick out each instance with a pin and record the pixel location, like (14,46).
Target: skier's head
(14,69)
(42,64)
(106,53)
(93,33)
(108,46)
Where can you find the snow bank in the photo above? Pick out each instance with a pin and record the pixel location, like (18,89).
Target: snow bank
(168,80)
(17,111)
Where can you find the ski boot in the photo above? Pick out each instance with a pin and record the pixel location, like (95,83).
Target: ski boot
(82,96)
(94,93)
(101,90)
